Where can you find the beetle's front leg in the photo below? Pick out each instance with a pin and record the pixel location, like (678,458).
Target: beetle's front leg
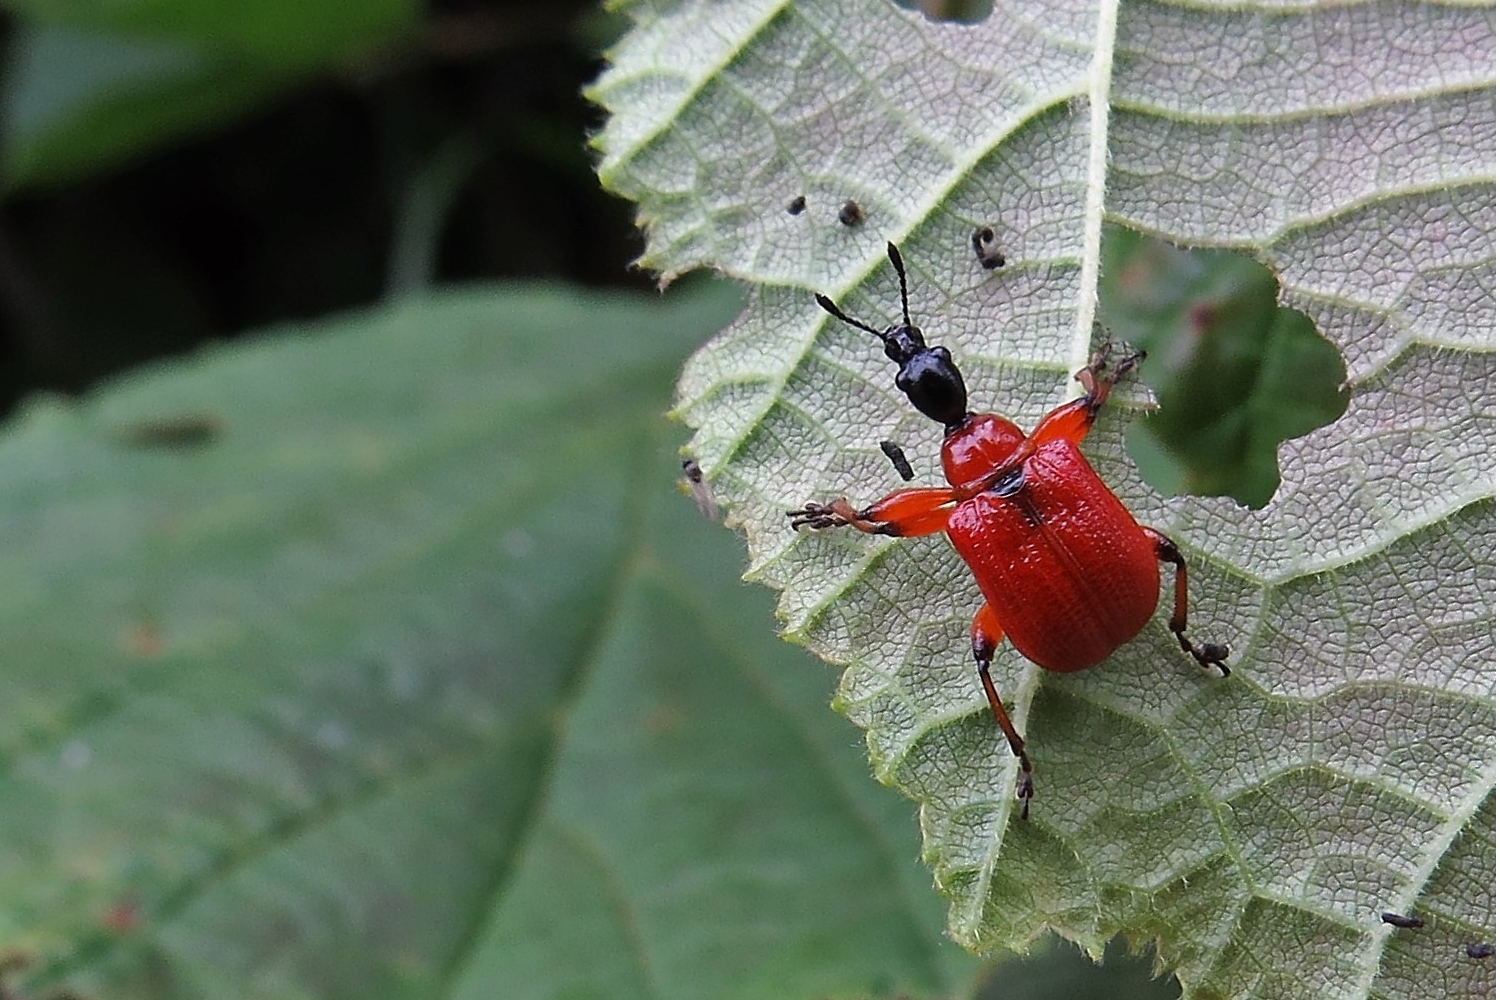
(829,515)
(1098,378)
(1072,421)
(905,513)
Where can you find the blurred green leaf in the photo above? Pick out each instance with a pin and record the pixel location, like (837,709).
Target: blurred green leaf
(289,32)
(90,85)
(381,658)
(1059,971)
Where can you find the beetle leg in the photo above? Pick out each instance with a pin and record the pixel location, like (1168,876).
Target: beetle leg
(904,513)
(1210,654)
(1072,421)
(985,636)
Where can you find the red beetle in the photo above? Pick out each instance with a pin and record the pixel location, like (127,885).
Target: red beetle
(1066,572)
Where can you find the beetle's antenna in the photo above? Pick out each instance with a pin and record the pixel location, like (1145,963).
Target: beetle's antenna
(895,255)
(838,314)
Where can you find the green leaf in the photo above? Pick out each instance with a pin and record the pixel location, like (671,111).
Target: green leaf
(381,658)
(92,85)
(1254,827)
(273,31)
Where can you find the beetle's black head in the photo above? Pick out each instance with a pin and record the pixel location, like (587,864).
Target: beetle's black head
(928,375)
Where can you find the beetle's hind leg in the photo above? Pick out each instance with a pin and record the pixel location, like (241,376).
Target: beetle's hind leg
(985,637)
(1210,654)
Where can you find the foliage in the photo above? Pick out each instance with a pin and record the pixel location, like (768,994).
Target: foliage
(1255,827)
(384,683)
(374,657)
(95,84)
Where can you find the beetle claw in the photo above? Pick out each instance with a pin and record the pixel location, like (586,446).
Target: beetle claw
(1212,654)
(815,515)
(1025,791)
(1099,366)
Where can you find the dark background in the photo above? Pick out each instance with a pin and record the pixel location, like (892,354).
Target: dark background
(457,152)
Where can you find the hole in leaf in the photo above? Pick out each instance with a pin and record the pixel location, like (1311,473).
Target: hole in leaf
(1235,373)
(962,11)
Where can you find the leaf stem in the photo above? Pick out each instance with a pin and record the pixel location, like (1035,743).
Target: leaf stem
(1097,94)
